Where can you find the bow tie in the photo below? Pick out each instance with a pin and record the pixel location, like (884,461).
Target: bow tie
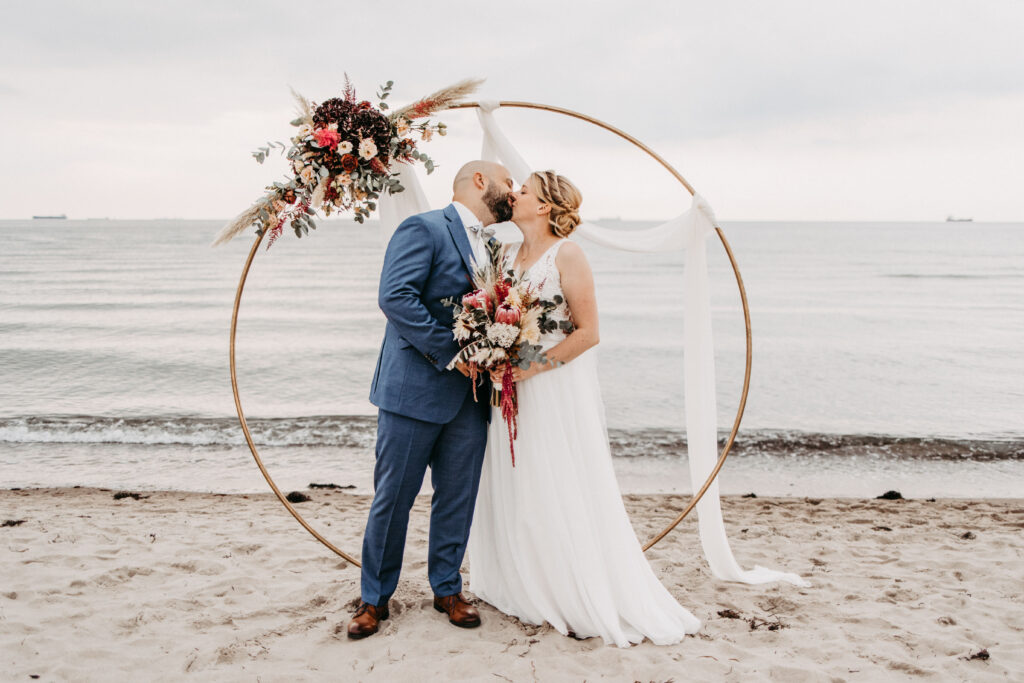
(484,232)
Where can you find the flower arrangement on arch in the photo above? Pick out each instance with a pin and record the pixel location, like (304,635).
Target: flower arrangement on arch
(342,156)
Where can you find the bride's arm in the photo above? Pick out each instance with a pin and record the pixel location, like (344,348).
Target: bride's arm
(578,288)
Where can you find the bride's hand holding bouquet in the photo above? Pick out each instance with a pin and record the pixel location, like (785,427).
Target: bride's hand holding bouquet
(519,374)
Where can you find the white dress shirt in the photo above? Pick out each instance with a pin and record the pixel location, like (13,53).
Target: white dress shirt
(476,240)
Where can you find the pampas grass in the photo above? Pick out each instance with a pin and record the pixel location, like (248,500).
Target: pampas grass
(440,100)
(303,107)
(240,223)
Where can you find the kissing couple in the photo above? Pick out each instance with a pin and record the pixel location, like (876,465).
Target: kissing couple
(551,541)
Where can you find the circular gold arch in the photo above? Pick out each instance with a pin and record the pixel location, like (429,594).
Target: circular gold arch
(721,236)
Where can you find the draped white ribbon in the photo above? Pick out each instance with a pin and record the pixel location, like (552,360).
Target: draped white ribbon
(395,208)
(688,231)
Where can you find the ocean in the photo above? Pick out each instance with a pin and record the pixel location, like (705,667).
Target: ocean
(886,356)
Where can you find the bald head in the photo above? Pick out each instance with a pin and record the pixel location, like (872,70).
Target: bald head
(488,169)
(484,187)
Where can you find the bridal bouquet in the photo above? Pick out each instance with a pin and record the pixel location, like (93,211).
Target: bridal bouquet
(341,158)
(498,327)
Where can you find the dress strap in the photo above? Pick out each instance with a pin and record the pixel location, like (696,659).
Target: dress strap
(549,256)
(556,246)
(551,252)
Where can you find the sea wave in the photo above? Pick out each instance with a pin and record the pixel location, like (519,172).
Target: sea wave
(788,443)
(341,431)
(359,431)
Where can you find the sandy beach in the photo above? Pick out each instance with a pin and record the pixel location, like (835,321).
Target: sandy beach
(228,587)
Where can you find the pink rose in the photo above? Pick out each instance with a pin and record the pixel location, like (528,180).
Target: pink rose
(507,314)
(325,137)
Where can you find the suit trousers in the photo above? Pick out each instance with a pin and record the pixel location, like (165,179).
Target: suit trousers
(454,451)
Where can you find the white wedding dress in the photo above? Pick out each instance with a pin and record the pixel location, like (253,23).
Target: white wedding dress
(551,541)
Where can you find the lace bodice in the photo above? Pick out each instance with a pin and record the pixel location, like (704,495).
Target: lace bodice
(544,277)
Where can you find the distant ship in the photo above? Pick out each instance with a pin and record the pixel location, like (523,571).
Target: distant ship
(62,217)
(954,219)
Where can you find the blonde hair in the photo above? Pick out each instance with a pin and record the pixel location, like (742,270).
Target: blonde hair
(564,198)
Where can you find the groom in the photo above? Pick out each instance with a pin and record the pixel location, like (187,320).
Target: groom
(427,415)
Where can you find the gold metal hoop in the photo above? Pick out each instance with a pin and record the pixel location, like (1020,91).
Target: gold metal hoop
(739,283)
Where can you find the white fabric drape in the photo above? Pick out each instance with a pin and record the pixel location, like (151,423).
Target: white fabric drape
(395,208)
(688,231)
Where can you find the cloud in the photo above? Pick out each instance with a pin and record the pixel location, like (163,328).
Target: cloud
(210,80)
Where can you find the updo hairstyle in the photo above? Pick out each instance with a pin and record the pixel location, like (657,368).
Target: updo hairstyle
(564,198)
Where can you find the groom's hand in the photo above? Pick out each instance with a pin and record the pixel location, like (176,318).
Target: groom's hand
(463,368)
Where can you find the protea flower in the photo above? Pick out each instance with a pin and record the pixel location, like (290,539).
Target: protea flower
(478,299)
(507,314)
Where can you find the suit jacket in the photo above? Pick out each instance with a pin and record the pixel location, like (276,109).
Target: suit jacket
(428,259)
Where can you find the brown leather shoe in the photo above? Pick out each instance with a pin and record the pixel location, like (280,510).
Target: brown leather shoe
(366,620)
(460,612)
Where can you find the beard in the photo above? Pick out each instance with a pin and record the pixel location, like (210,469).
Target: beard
(498,202)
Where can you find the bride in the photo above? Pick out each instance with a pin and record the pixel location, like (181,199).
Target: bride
(551,541)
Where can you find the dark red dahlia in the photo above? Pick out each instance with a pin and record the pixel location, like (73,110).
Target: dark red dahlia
(372,124)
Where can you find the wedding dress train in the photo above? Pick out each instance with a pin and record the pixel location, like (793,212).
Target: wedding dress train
(551,540)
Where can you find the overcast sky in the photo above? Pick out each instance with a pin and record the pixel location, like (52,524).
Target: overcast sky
(897,110)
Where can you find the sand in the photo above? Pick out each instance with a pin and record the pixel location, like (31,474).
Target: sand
(177,586)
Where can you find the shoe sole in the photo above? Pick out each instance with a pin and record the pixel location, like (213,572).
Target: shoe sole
(360,636)
(472,624)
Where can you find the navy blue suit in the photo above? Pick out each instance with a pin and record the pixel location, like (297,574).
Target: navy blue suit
(427,415)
